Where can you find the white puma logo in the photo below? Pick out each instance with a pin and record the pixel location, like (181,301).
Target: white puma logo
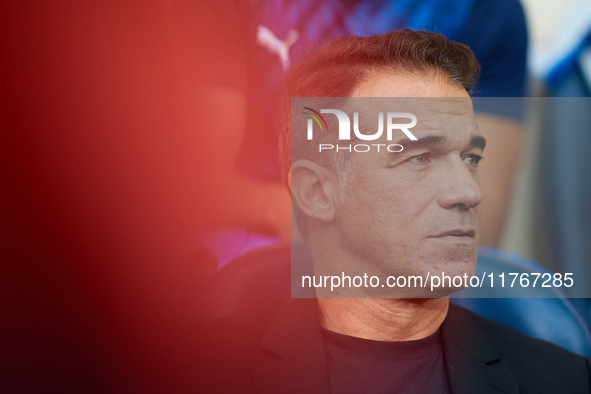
(266,38)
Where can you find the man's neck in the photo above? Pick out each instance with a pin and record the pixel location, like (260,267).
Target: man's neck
(383,319)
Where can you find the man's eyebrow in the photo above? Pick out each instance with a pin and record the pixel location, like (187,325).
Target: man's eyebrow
(433,140)
(424,142)
(478,142)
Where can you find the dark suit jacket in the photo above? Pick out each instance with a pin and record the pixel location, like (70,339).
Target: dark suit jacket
(280,349)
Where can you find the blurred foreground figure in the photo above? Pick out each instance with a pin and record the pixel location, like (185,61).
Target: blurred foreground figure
(100,193)
(411,212)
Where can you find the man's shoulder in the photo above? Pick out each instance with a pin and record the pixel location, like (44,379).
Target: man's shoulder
(511,340)
(476,349)
(248,329)
(229,350)
(537,365)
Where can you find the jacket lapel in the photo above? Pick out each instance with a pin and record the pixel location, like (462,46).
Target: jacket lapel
(294,334)
(468,352)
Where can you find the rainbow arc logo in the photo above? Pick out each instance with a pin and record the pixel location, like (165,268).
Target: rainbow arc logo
(316,117)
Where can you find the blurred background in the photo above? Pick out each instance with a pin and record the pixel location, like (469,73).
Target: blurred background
(549,215)
(120,196)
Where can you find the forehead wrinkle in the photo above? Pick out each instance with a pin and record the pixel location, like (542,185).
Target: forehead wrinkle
(439,123)
(450,110)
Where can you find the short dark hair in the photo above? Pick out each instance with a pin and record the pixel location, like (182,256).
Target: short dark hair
(345,62)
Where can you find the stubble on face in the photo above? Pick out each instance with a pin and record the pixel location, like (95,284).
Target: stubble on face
(414,212)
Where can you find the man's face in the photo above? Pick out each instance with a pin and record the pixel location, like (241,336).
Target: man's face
(416,211)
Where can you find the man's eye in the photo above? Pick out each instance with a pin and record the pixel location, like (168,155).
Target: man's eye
(472,159)
(420,158)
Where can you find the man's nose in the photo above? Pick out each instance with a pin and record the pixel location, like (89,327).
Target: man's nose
(460,187)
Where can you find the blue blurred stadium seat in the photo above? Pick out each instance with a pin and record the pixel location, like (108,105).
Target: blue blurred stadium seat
(541,312)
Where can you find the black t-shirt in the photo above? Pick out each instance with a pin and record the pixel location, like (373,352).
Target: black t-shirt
(358,365)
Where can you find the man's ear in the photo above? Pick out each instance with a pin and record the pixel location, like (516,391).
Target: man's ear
(313,189)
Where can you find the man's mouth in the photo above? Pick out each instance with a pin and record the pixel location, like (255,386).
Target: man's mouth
(457,233)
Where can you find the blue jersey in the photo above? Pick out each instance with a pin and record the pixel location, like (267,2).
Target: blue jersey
(256,41)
